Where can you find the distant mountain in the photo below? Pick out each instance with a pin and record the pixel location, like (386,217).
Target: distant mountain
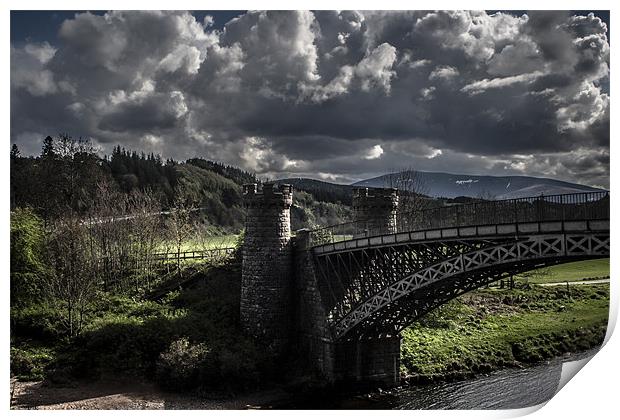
(440,184)
(451,186)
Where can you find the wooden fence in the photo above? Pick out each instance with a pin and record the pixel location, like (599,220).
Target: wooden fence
(216,254)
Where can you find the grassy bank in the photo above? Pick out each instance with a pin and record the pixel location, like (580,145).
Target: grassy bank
(190,339)
(575,271)
(490,329)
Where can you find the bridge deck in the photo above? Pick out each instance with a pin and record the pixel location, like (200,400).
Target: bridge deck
(466,232)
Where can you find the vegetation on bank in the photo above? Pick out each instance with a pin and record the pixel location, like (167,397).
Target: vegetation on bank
(80,306)
(188,341)
(489,329)
(309,212)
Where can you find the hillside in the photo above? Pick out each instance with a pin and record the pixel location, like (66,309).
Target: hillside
(321,190)
(58,182)
(219,197)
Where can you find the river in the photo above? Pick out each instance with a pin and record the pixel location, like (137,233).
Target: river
(504,389)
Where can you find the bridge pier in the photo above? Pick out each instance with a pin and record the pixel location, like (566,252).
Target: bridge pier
(376,207)
(266,282)
(282,304)
(374,361)
(361,362)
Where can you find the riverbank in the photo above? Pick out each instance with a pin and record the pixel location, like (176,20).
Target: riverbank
(480,332)
(491,329)
(128,395)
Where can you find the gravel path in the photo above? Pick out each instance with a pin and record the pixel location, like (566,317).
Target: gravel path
(563,283)
(126,396)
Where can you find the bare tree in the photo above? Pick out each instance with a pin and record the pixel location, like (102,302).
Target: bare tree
(486,195)
(412,196)
(145,227)
(179,223)
(72,281)
(127,231)
(106,231)
(412,189)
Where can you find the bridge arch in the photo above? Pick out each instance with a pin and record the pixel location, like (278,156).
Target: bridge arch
(374,280)
(397,305)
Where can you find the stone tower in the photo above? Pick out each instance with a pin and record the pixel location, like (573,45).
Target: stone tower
(377,207)
(266,284)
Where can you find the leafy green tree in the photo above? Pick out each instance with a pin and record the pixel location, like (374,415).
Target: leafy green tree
(27,256)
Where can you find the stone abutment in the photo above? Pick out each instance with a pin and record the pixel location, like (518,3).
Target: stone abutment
(281,303)
(266,282)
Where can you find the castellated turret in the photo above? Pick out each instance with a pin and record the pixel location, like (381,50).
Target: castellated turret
(376,209)
(266,284)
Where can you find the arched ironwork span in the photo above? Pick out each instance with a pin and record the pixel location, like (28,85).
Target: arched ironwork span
(378,285)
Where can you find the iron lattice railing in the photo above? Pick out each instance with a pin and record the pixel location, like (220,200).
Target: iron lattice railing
(542,208)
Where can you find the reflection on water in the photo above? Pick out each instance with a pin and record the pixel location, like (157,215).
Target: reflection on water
(511,388)
(505,389)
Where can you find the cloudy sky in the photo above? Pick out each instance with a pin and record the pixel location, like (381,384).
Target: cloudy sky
(339,96)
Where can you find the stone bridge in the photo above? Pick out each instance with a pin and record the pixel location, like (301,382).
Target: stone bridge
(340,295)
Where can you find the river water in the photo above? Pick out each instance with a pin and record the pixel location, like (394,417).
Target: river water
(504,389)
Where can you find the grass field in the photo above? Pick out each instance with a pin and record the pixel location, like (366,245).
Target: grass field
(489,329)
(575,271)
(210,242)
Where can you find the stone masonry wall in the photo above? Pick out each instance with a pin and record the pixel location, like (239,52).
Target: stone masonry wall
(312,332)
(376,206)
(280,295)
(356,362)
(368,361)
(266,285)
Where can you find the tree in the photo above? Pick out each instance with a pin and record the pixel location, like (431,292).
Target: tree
(145,230)
(71,284)
(16,178)
(179,223)
(126,232)
(411,187)
(68,173)
(48,148)
(412,191)
(27,264)
(14,151)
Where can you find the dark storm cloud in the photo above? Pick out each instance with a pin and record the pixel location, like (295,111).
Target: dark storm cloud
(339,95)
(155,112)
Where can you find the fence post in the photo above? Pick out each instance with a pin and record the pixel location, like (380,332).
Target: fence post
(516,211)
(476,214)
(539,207)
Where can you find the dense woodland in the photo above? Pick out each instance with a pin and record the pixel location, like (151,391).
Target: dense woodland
(68,174)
